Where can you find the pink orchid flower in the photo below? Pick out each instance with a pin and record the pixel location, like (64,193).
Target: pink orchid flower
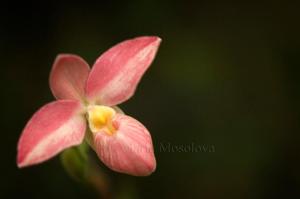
(86,109)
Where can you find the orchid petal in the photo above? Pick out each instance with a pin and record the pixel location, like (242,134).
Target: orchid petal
(116,73)
(129,150)
(68,77)
(54,127)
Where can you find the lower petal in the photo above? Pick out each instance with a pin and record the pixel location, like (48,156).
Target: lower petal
(129,150)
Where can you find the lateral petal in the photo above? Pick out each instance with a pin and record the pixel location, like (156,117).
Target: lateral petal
(68,77)
(116,73)
(54,127)
(129,150)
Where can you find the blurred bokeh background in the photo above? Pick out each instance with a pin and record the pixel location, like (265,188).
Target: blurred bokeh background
(225,80)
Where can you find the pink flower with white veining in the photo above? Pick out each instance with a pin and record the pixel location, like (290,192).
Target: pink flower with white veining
(85,107)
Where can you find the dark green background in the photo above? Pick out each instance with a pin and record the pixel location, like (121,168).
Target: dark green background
(226,75)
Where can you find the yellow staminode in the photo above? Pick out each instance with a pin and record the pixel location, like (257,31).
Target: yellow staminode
(100,118)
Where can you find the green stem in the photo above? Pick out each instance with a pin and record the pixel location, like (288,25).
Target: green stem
(81,167)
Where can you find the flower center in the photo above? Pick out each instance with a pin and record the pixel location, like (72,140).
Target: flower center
(100,118)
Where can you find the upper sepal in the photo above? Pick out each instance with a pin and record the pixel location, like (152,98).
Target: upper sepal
(116,73)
